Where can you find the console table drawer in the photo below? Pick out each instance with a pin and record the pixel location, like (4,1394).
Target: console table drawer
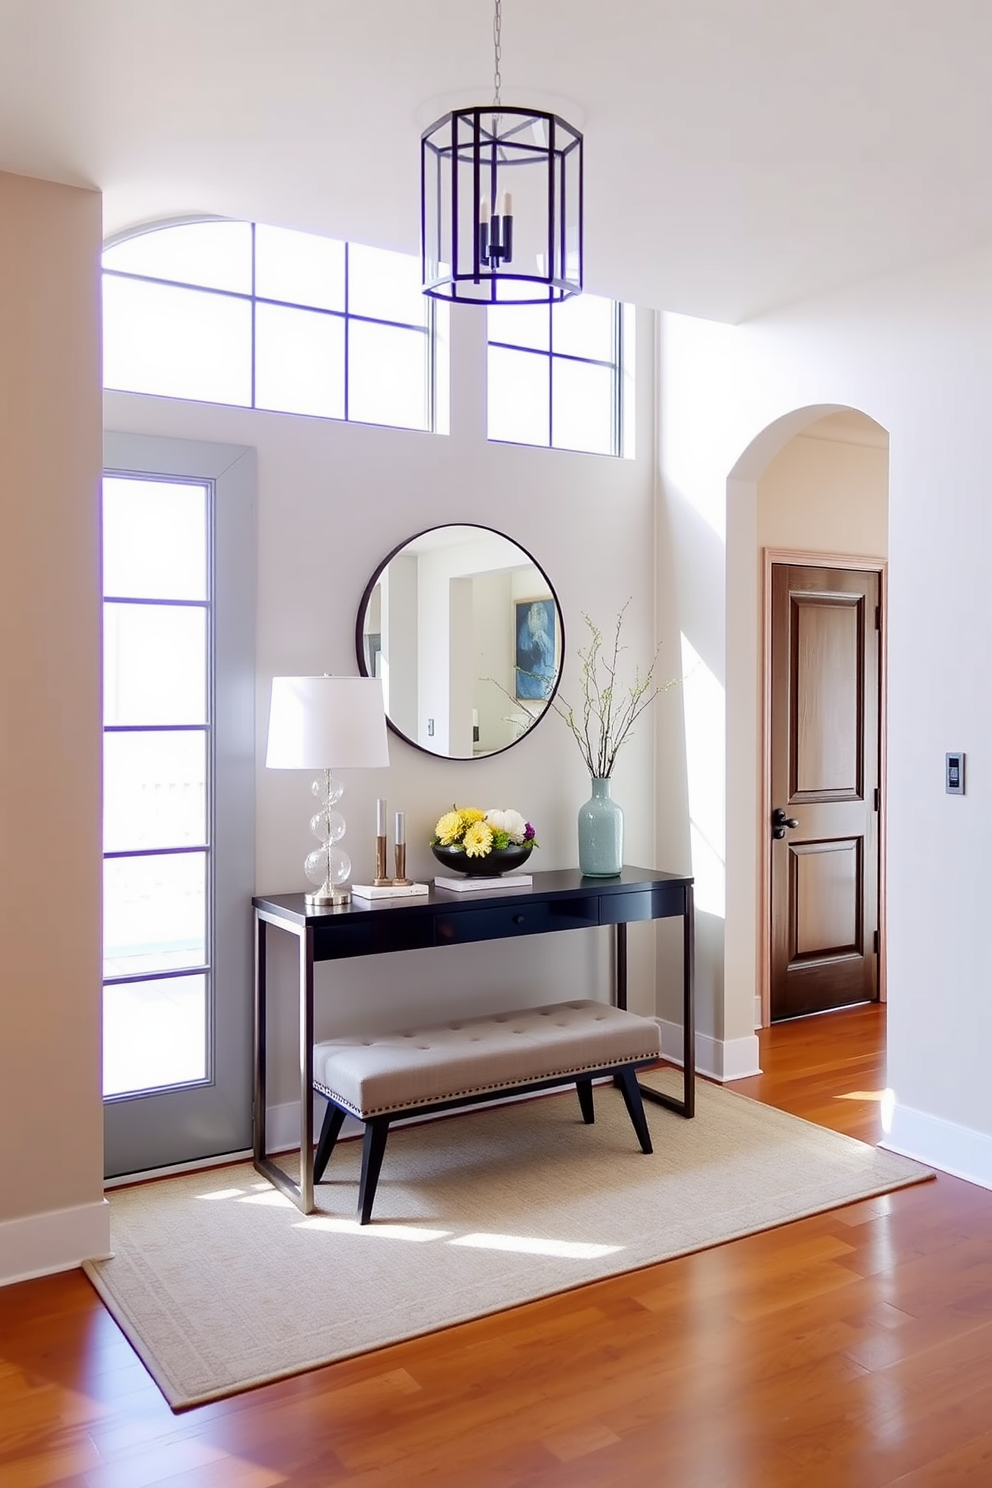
(502,921)
(654,903)
(372,936)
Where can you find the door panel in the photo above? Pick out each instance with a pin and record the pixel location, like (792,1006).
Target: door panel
(824,778)
(826,891)
(826,686)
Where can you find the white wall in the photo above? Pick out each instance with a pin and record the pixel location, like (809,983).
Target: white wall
(913,352)
(333,500)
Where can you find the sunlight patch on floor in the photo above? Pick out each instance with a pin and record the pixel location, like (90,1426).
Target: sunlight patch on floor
(886,1099)
(569,1250)
(373,1232)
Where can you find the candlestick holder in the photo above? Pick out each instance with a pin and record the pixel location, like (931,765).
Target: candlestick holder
(399,852)
(380,861)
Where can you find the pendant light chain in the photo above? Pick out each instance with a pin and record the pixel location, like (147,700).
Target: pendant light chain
(497,52)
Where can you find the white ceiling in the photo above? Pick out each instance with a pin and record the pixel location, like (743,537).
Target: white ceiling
(740,154)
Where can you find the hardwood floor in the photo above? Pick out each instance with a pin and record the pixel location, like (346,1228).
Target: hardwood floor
(850,1350)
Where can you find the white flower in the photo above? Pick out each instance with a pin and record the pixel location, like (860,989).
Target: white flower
(510,822)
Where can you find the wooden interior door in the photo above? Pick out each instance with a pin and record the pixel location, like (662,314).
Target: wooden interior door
(825,670)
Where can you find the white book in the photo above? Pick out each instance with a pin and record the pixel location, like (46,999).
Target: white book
(389,891)
(471,885)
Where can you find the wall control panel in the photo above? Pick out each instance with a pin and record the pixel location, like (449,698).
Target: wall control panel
(954,774)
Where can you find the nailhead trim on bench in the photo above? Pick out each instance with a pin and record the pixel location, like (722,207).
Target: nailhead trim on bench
(634,1057)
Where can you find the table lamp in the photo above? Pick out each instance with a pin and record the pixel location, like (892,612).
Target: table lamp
(325,723)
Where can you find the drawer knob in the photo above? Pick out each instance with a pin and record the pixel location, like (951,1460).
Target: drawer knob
(518,919)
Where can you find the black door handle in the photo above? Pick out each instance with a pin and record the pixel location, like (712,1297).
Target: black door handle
(780,821)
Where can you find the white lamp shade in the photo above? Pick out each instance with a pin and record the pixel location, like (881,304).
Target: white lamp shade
(326,723)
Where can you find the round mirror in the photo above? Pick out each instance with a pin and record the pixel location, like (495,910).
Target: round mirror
(465,630)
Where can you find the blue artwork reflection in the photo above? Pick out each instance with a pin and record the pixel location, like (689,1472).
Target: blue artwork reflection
(536,655)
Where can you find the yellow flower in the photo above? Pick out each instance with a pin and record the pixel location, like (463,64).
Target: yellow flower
(449,828)
(470,814)
(478,839)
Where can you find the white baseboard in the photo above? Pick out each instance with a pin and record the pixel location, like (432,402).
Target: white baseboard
(41,1244)
(941,1144)
(718,1059)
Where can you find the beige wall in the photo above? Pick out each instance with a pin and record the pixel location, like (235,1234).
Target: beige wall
(827,490)
(51,1131)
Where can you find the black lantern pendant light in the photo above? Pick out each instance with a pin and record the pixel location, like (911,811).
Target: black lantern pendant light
(501,203)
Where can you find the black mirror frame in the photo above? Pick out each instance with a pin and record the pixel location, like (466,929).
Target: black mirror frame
(360,639)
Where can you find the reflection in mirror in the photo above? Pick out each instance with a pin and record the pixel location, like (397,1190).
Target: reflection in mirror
(465,631)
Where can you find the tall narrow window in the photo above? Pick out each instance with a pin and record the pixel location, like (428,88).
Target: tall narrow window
(557,374)
(157,807)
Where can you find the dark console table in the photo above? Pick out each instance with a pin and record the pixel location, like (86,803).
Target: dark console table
(562,900)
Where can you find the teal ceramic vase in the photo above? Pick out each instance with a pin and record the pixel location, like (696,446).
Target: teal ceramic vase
(600,833)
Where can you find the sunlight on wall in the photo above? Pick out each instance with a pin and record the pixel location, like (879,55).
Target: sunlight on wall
(696,462)
(704,712)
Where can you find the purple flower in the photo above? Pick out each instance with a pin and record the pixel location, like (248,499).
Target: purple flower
(528,832)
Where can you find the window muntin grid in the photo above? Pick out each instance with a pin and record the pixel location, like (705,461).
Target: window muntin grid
(556,375)
(185,323)
(158,721)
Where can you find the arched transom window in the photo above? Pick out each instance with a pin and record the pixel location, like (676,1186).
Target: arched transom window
(264,317)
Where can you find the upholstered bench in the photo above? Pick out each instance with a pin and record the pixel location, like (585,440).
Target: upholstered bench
(384,1078)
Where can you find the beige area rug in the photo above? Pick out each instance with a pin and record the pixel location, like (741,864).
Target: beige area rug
(221,1283)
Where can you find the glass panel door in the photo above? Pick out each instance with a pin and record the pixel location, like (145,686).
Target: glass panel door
(177,792)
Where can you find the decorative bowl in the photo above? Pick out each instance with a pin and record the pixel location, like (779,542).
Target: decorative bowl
(497,861)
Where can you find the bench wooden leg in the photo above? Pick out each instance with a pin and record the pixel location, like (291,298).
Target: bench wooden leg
(373,1148)
(333,1122)
(635,1106)
(584,1091)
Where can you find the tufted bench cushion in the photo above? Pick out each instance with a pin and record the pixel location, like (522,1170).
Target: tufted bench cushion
(387,1073)
(464,1061)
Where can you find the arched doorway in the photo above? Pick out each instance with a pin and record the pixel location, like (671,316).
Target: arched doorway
(810,492)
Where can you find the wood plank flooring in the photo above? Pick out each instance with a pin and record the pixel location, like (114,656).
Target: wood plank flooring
(851,1350)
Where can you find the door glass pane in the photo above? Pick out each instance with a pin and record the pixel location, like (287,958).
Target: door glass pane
(178,343)
(154,913)
(154,1034)
(154,539)
(154,790)
(582,411)
(387,375)
(214,254)
(385,285)
(154,663)
(299,267)
(299,361)
(518,396)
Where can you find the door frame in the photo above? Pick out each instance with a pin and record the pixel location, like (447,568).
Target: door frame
(805,559)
